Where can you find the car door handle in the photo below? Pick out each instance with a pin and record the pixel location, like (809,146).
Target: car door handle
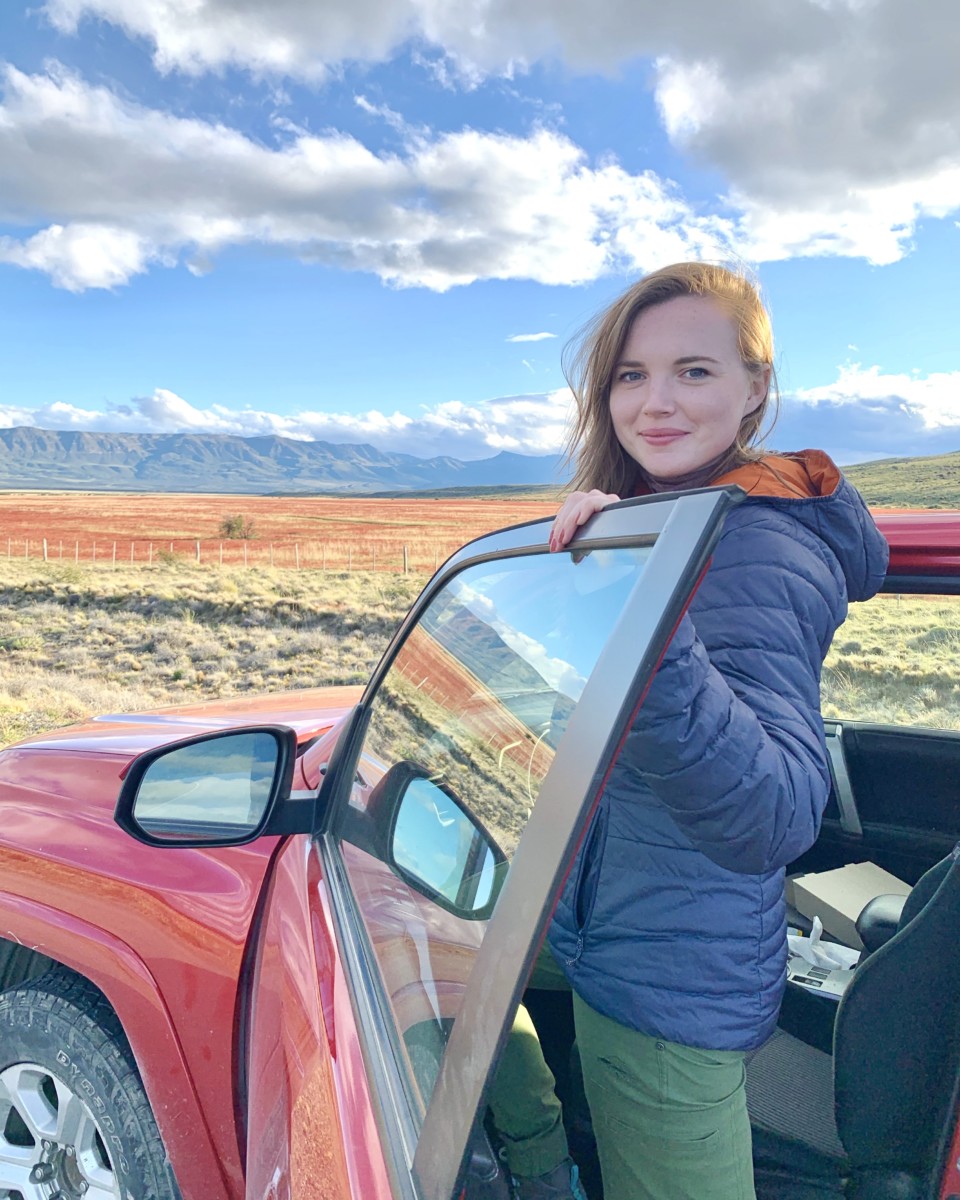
(840,776)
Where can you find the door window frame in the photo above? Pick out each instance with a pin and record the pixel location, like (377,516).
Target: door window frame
(427,1158)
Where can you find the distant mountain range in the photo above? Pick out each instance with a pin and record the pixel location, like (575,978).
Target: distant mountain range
(201,462)
(205,462)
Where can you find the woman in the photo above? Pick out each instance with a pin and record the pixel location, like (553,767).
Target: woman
(671,930)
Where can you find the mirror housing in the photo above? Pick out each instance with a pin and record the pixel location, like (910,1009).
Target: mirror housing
(437,846)
(216,789)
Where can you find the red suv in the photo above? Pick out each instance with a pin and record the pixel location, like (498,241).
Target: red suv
(270,948)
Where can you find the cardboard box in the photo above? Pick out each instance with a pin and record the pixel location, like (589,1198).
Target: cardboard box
(839,897)
(788,889)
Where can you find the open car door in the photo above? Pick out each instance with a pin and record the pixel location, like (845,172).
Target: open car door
(395,943)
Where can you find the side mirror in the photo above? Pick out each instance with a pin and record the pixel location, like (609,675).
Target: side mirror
(439,847)
(218,789)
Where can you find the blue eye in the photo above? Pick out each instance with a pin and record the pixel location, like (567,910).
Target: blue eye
(698,372)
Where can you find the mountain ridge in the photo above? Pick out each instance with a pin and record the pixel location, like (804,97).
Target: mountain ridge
(33,459)
(83,460)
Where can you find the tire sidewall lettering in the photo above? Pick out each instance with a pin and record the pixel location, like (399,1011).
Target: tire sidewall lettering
(94,1101)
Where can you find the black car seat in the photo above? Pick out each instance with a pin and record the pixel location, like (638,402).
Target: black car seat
(870,1122)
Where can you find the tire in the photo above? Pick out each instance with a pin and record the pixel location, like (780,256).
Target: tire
(20,963)
(75,1121)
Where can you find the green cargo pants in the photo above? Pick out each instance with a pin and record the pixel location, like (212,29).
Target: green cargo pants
(526,1111)
(670,1121)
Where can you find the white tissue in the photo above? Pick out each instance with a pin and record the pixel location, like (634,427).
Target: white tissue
(829,955)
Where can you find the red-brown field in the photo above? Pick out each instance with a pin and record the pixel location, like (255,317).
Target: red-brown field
(337,534)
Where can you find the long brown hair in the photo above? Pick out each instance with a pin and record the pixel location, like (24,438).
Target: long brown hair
(590,361)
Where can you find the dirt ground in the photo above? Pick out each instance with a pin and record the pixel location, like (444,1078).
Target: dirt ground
(341,533)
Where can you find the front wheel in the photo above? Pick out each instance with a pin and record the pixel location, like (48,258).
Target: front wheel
(75,1121)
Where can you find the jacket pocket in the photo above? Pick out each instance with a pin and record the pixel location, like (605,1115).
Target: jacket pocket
(588,875)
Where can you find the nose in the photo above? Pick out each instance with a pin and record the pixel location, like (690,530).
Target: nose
(658,395)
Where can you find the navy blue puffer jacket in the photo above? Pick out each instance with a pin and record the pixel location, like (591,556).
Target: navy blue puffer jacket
(673,919)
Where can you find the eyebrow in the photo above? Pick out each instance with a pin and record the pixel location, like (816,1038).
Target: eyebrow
(677,362)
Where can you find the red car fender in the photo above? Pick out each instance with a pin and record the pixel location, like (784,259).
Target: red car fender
(113,967)
(312,1129)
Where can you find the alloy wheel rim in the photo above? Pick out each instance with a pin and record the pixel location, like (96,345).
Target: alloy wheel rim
(52,1147)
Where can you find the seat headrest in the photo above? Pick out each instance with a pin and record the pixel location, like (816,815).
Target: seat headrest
(925,887)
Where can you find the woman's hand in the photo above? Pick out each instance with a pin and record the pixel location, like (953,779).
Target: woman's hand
(575,511)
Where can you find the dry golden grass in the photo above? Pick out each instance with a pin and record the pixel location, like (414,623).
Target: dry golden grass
(79,640)
(896,660)
(76,640)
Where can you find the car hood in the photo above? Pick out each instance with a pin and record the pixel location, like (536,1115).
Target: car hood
(311,713)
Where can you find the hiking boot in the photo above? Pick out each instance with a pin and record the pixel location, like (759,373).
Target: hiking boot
(562,1183)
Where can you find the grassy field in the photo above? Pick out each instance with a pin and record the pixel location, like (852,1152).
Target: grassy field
(930,482)
(76,640)
(896,660)
(79,640)
(345,534)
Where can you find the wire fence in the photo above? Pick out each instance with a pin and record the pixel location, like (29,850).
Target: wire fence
(369,555)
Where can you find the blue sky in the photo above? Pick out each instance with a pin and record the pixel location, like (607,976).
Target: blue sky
(379,221)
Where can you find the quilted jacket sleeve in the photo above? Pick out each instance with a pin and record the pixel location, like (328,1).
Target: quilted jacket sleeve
(730,738)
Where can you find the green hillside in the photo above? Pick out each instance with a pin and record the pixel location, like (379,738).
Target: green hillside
(932,482)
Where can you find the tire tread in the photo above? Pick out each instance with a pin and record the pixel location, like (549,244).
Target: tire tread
(70,1012)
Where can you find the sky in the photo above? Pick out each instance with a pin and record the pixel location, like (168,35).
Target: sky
(380,221)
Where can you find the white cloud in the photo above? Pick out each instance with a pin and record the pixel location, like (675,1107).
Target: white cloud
(868,414)
(82,255)
(117,186)
(530,337)
(934,399)
(559,674)
(833,121)
(282,37)
(863,414)
(533,424)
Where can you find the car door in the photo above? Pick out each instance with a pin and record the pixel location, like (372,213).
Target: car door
(891,703)
(394,945)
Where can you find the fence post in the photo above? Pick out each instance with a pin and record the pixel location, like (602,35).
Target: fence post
(198,551)
(406,561)
(150,554)
(61,549)
(296,550)
(76,551)
(44,549)
(94,551)
(244,553)
(131,551)
(114,554)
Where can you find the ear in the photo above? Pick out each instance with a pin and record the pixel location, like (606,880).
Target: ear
(759,387)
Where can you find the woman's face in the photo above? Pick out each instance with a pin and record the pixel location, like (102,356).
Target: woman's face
(680,390)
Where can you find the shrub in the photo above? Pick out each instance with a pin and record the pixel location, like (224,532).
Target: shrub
(236,525)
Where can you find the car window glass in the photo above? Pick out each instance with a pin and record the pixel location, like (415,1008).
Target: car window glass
(461,733)
(896,661)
